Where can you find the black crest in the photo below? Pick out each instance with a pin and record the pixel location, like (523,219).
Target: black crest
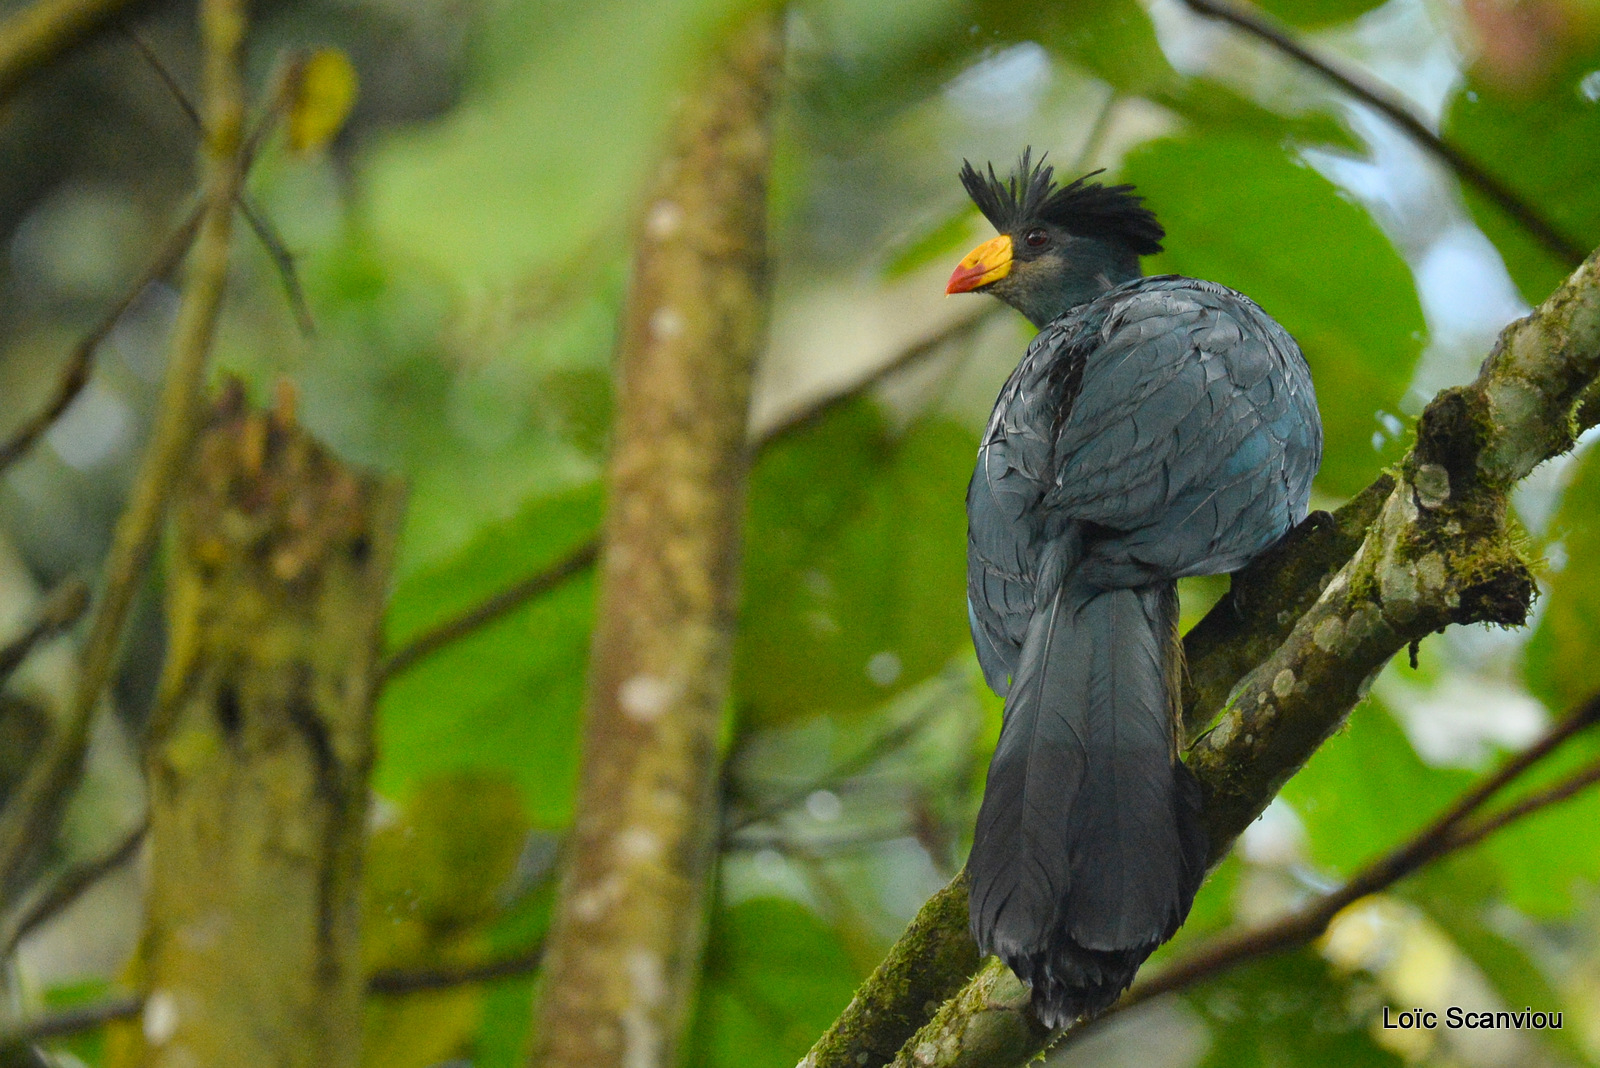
(1109,213)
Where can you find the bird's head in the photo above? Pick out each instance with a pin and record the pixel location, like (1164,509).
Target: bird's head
(1058,247)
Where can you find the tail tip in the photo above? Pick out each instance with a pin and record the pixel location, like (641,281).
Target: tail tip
(1074,983)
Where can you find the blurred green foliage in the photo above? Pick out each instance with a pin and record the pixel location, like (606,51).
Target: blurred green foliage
(855,564)
(1292,1008)
(1544,140)
(464,246)
(776,975)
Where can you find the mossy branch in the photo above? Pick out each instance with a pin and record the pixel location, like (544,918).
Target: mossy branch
(259,751)
(1294,646)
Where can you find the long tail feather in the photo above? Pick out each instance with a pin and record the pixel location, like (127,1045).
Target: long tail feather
(1088,850)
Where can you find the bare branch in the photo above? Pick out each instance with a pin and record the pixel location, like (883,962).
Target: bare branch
(289,69)
(396,981)
(36,35)
(32,809)
(388,983)
(76,373)
(1383,101)
(60,610)
(71,1021)
(68,887)
(495,607)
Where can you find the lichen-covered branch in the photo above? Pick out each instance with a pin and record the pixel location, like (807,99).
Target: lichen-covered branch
(991,1023)
(1437,553)
(625,943)
(1286,656)
(31,811)
(260,745)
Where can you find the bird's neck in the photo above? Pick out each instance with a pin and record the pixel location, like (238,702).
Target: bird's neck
(1086,280)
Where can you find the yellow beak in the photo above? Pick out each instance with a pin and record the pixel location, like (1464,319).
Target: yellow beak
(989,262)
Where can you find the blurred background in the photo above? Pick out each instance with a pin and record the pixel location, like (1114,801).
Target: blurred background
(463,247)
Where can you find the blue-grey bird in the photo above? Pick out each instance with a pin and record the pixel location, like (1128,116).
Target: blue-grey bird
(1157,427)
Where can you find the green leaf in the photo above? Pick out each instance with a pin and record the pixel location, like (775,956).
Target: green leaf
(1366,791)
(1246,213)
(508,695)
(1543,141)
(1545,861)
(775,978)
(1563,658)
(549,147)
(1287,1010)
(855,569)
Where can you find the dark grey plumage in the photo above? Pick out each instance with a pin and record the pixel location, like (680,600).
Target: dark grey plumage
(1166,427)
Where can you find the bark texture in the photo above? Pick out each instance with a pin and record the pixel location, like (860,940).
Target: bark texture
(259,752)
(1285,657)
(924,968)
(627,936)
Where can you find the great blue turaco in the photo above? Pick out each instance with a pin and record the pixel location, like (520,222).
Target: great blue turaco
(1157,427)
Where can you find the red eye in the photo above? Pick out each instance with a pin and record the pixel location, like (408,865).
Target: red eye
(1037,239)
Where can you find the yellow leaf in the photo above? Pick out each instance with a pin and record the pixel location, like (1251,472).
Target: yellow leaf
(322,99)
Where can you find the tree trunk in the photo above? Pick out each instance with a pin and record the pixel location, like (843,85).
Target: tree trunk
(259,752)
(625,946)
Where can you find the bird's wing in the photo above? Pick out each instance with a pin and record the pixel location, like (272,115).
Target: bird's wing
(1193,439)
(1006,525)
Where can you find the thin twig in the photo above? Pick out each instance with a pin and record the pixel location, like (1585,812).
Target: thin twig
(883,745)
(915,353)
(485,612)
(60,610)
(387,983)
(68,888)
(164,73)
(1384,101)
(583,557)
(76,373)
(33,807)
(394,981)
(72,1021)
(282,259)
